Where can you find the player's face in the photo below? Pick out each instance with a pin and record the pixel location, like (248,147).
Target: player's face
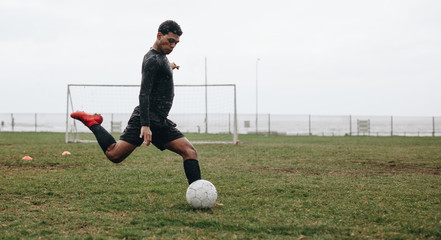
(167,42)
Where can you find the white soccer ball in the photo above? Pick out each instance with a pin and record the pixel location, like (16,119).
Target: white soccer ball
(201,194)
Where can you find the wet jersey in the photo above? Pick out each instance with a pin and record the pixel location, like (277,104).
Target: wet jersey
(157,89)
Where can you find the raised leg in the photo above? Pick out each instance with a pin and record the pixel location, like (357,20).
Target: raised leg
(114,151)
(119,151)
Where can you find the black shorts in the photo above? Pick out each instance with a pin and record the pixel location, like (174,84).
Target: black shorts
(163,132)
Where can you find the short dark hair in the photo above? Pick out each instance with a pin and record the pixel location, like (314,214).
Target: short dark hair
(170,26)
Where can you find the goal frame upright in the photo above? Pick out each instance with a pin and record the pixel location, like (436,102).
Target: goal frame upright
(70,108)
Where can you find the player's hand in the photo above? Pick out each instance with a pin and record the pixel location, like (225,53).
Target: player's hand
(146,134)
(174,66)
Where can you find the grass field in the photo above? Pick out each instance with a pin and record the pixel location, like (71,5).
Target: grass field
(275,187)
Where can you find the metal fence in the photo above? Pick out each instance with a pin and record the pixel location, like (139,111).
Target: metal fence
(321,125)
(33,122)
(341,125)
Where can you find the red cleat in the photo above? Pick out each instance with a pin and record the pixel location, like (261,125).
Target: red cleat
(88,119)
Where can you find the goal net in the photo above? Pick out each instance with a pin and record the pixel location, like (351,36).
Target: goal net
(204,113)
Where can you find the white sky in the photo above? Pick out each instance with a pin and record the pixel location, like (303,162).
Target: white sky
(373,57)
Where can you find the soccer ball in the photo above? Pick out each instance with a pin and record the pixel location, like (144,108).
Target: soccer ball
(201,194)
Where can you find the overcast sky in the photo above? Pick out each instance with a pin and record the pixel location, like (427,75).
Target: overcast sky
(375,57)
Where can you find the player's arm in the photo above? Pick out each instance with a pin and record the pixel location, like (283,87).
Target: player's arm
(174,66)
(146,133)
(149,70)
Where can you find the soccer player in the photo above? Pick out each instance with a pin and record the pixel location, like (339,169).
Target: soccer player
(148,122)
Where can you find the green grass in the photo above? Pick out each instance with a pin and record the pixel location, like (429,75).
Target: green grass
(276,187)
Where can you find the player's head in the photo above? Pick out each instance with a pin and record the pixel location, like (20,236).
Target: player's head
(170,26)
(168,36)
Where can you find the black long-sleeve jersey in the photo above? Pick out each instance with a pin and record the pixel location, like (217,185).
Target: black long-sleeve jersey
(157,88)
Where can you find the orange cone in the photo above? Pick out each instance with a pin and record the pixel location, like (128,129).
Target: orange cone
(66,153)
(26,158)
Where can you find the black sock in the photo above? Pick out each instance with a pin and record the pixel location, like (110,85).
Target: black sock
(102,136)
(192,170)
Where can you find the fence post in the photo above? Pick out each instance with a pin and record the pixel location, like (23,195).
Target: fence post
(309,122)
(433,123)
(391,126)
(350,125)
(269,124)
(35,122)
(12,121)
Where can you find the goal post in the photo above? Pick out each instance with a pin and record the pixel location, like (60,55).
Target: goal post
(204,113)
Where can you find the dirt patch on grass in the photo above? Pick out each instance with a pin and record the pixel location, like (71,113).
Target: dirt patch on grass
(385,170)
(40,166)
(413,169)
